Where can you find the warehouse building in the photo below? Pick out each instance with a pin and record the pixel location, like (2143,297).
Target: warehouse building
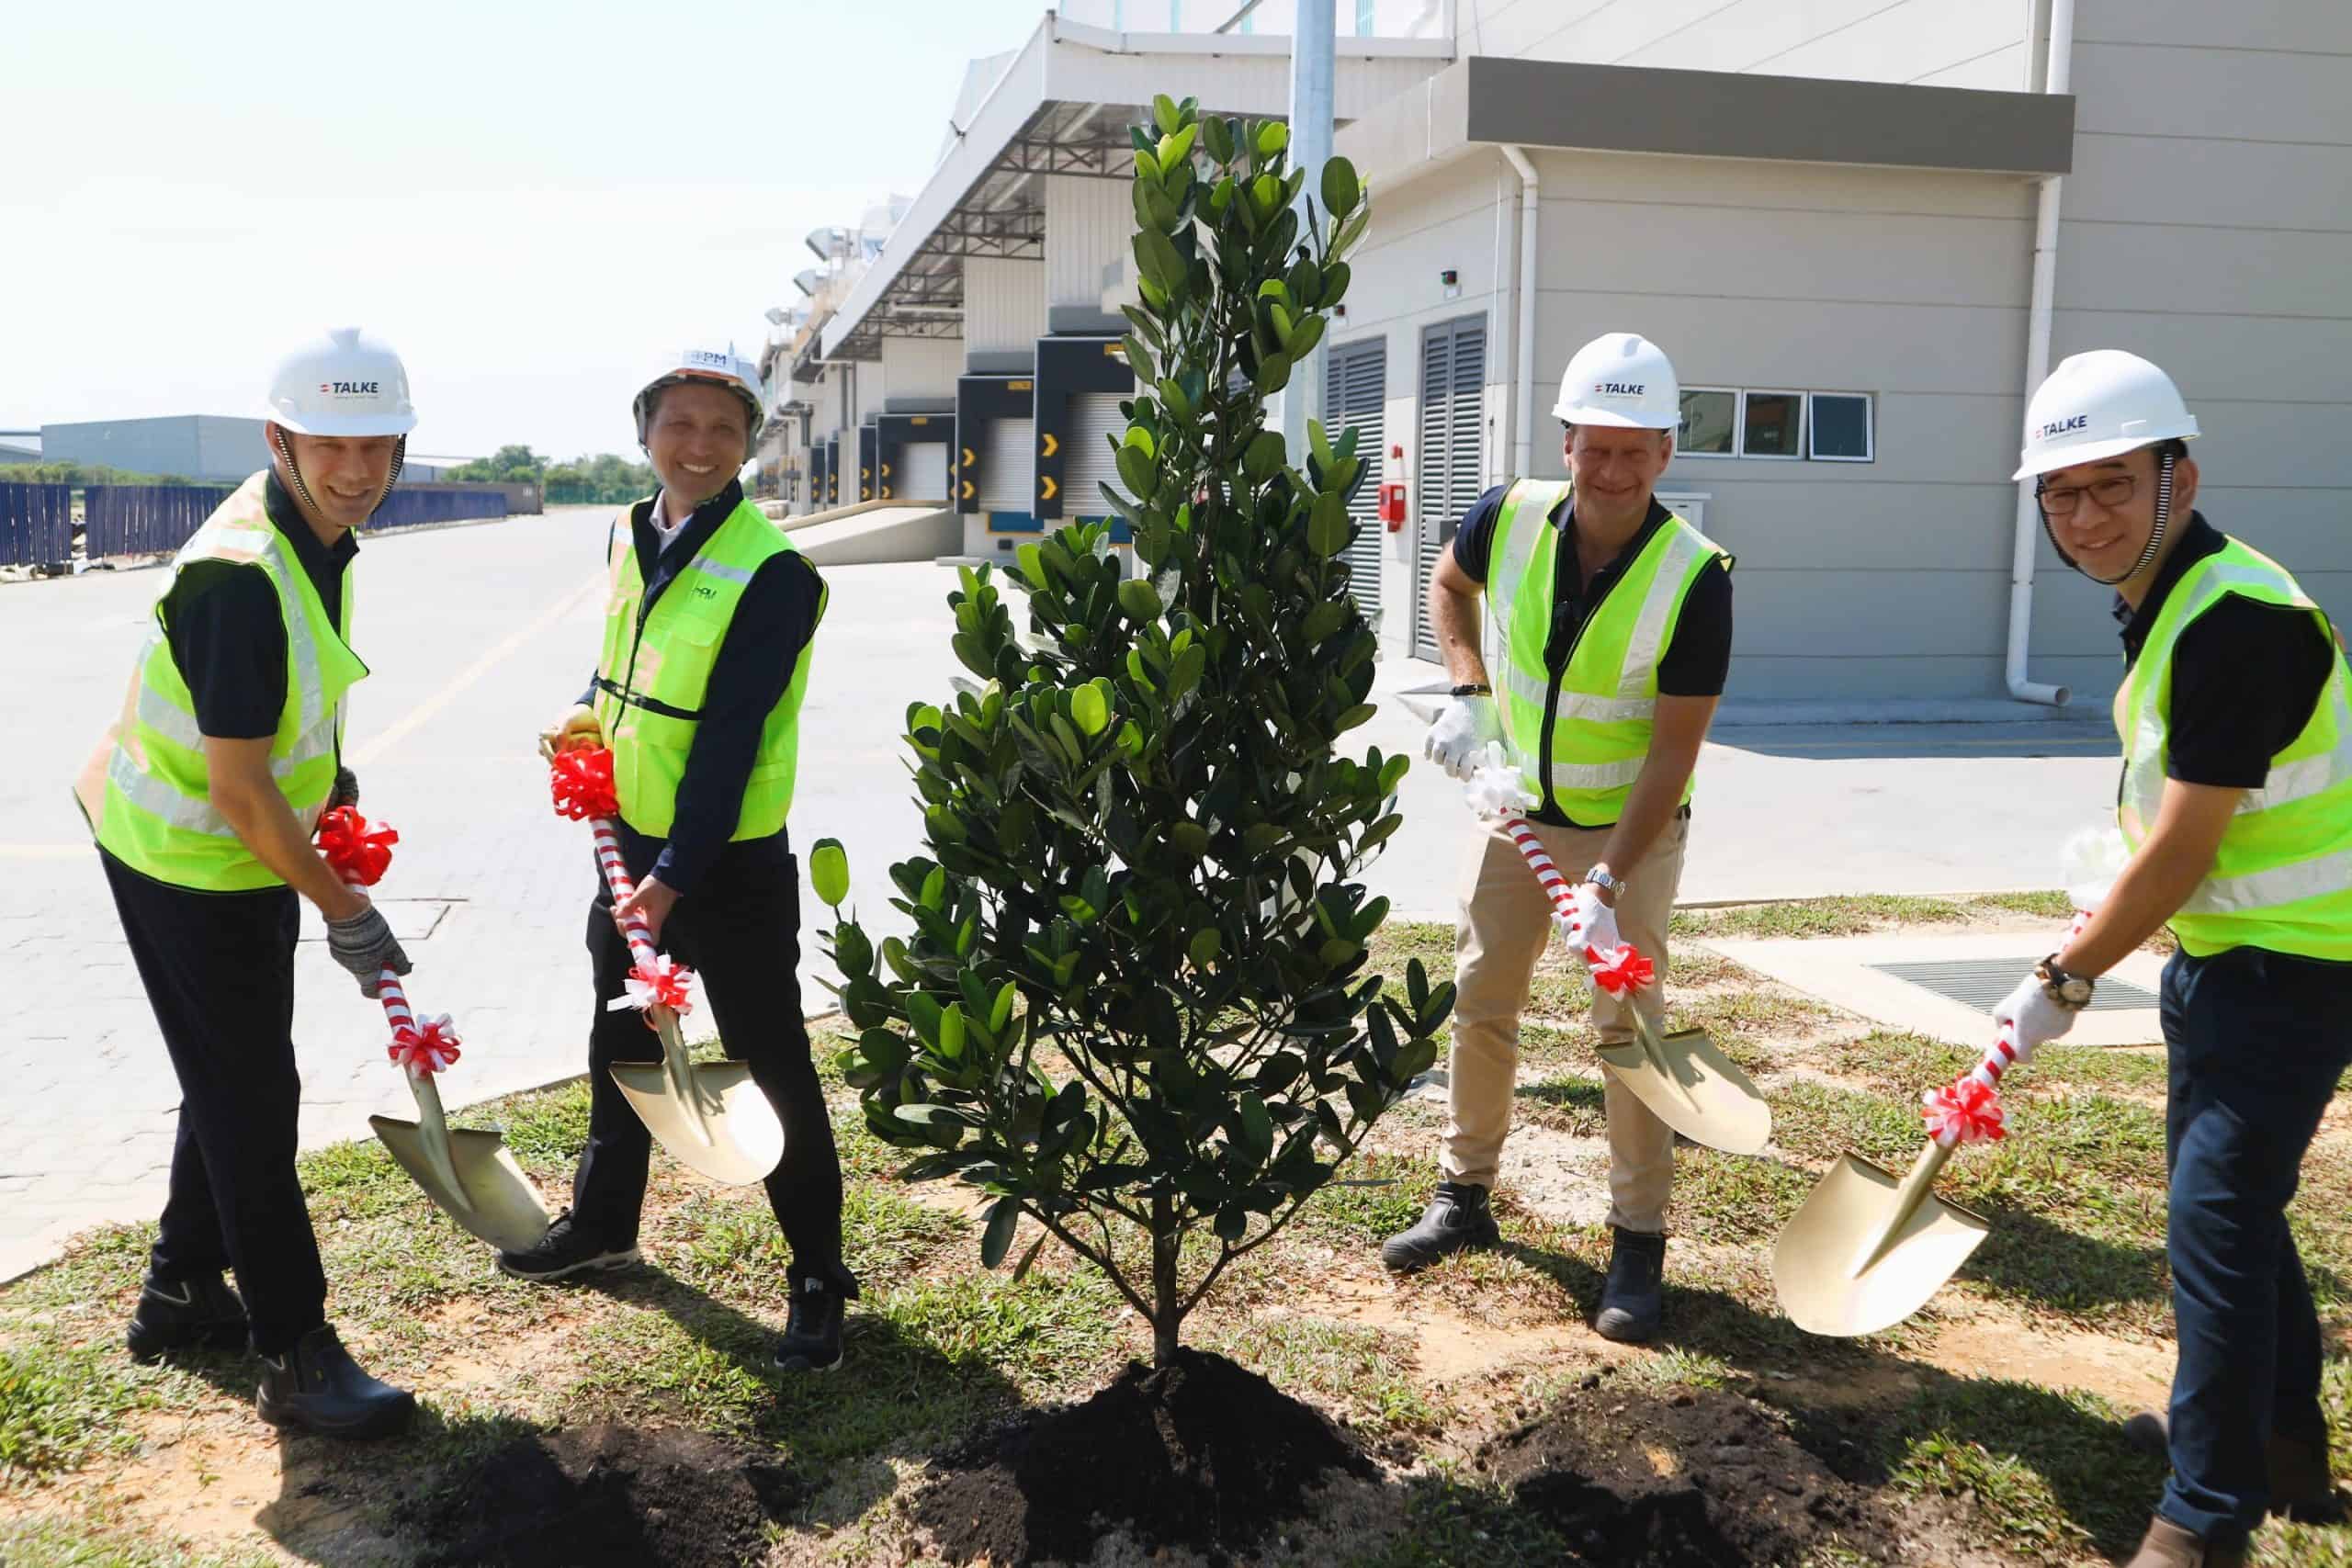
(1829,214)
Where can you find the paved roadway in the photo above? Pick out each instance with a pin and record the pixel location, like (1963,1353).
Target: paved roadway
(477,634)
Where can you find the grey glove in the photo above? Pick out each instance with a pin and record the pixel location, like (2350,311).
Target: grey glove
(365,945)
(345,791)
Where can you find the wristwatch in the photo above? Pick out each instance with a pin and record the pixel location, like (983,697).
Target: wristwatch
(1473,689)
(2072,992)
(1612,885)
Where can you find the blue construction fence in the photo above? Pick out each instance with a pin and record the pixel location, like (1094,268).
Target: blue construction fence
(36,525)
(124,520)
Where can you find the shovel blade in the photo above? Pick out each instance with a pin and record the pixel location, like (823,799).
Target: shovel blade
(732,1136)
(1822,1267)
(493,1199)
(1693,1088)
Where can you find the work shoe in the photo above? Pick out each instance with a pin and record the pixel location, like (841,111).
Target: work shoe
(1633,1299)
(2302,1485)
(1456,1218)
(564,1251)
(200,1314)
(812,1334)
(2167,1545)
(317,1387)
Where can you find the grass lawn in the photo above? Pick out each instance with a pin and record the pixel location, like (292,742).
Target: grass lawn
(1984,1426)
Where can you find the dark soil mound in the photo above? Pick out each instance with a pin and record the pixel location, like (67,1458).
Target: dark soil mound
(601,1495)
(1205,1455)
(1693,1479)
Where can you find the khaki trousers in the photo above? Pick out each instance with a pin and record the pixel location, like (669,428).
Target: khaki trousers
(1505,925)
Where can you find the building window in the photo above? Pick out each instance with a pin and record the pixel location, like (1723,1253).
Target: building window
(1838,424)
(1710,421)
(1366,19)
(1772,425)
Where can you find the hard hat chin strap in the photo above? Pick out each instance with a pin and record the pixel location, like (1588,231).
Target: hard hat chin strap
(302,490)
(2155,536)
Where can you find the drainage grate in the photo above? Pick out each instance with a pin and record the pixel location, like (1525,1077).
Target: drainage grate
(1981,983)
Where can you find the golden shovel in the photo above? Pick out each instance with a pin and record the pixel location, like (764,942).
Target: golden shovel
(468,1173)
(1866,1251)
(709,1115)
(1684,1077)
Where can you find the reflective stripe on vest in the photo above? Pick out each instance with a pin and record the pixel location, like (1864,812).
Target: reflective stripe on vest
(2282,876)
(1607,701)
(656,667)
(145,790)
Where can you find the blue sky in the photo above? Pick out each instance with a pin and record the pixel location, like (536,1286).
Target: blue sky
(533,202)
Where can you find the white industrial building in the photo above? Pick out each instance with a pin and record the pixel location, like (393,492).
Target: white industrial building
(1828,211)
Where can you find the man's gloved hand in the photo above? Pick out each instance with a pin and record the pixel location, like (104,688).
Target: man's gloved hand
(1589,923)
(364,944)
(2032,1017)
(578,726)
(345,791)
(1460,734)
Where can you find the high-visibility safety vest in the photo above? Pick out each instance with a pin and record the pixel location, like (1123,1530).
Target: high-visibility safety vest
(656,669)
(146,789)
(1607,700)
(2282,878)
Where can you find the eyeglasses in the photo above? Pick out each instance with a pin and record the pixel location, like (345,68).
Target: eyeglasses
(2060,501)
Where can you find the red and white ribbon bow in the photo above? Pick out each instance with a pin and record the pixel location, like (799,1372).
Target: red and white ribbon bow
(582,782)
(659,981)
(1965,1110)
(431,1045)
(359,850)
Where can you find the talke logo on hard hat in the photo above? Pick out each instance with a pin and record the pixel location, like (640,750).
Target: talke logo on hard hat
(1618,389)
(2061,426)
(349,389)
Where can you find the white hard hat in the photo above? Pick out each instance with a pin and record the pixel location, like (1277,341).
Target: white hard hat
(1622,379)
(2100,405)
(719,367)
(345,383)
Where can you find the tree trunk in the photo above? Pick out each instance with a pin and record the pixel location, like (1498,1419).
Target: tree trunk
(1167,1315)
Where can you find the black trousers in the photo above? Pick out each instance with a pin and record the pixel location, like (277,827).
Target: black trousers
(219,968)
(740,930)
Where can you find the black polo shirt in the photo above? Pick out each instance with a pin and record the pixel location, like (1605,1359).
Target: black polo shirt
(2246,675)
(227,637)
(1697,660)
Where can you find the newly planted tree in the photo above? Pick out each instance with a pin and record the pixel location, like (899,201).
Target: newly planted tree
(1135,995)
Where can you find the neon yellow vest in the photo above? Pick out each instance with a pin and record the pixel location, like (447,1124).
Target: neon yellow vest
(1601,734)
(2282,878)
(656,669)
(146,790)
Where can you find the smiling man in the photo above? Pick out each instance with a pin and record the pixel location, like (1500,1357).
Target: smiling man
(1613,616)
(2236,806)
(203,799)
(698,693)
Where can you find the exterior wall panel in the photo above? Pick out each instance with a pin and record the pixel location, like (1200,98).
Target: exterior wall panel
(1089,223)
(1004,306)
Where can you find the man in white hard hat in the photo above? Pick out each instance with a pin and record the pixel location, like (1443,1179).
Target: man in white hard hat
(698,692)
(2235,714)
(1613,620)
(203,798)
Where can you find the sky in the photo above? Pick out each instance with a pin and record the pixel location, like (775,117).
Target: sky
(534,202)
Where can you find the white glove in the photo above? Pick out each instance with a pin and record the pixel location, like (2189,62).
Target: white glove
(2031,1017)
(1589,922)
(1460,733)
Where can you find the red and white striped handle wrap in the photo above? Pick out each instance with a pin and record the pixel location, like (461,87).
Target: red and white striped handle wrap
(1539,859)
(424,1045)
(1618,971)
(1968,1110)
(616,877)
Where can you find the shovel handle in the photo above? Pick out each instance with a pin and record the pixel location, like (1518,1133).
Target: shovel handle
(608,860)
(1556,887)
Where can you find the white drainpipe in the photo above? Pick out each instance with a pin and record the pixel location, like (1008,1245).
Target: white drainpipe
(2037,368)
(1523,365)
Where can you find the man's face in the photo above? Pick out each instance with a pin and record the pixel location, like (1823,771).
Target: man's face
(2102,513)
(344,474)
(697,437)
(1616,470)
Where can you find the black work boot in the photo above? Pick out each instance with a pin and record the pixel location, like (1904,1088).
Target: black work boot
(317,1387)
(1457,1217)
(812,1334)
(199,1313)
(1633,1299)
(564,1251)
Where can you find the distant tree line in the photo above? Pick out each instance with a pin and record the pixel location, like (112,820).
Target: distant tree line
(600,479)
(63,473)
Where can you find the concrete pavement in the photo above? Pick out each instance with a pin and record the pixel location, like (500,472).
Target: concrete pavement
(477,635)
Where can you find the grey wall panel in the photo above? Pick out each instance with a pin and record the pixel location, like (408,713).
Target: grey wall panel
(1869,614)
(2305,530)
(1840,524)
(1899,676)
(2237,93)
(2240,183)
(1790,187)
(2167,267)
(2322,26)
(2272,360)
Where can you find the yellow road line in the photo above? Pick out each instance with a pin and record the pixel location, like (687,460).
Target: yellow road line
(383,742)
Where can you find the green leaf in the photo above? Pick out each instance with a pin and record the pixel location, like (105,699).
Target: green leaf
(1204,947)
(1139,359)
(924,1012)
(1357,715)
(829,872)
(1093,713)
(1033,564)
(1257,1127)
(1273,137)
(935,889)
(1218,135)
(1164,114)
(1340,188)
(1139,600)
(926,1114)
(1000,1015)
(1274,373)
(1327,525)
(951,1031)
(1020,1270)
(1336,278)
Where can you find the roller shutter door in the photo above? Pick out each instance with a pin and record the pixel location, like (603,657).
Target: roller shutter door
(1008,471)
(1088,461)
(1454,386)
(924,472)
(1356,387)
